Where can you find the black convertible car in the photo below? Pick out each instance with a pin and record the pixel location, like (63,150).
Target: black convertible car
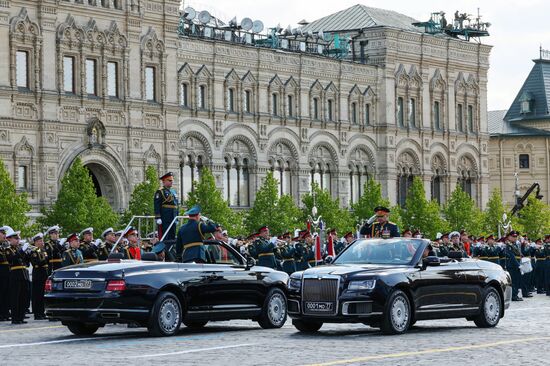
(391,284)
(160,296)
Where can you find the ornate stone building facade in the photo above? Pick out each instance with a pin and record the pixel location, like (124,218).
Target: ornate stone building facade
(111,82)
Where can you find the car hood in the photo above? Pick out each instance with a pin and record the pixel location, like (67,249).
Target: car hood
(348,270)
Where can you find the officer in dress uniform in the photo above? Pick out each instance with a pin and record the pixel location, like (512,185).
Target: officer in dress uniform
(302,247)
(4,276)
(73,255)
(87,247)
(189,244)
(109,238)
(134,249)
(547,265)
(513,258)
(39,261)
(540,256)
(444,246)
(382,228)
(265,249)
(166,206)
(288,252)
(19,277)
(54,249)
(492,251)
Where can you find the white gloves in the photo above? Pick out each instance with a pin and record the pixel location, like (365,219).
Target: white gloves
(97,242)
(25,247)
(273,240)
(159,222)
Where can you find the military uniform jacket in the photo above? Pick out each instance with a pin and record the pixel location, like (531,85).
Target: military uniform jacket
(17,260)
(377,230)
(4,264)
(55,254)
(189,241)
(513,256)
(72,256)
(166,205)
(88,251)
(266,253)
(39,260)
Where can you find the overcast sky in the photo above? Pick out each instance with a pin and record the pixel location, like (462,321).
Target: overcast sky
(518,28)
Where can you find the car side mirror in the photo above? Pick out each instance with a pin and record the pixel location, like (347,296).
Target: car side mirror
(329,259)
(431,261)
(250,262)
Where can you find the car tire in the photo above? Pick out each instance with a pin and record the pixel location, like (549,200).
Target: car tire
(82,329)
(166,315)
(397,314)
(307,326)
(491,309)
(195,324)
(274,311)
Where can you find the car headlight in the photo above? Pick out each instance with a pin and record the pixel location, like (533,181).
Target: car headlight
(361,285)
(294,284)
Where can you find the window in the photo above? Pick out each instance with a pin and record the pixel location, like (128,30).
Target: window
(246,103)
(315,108)
(275,104)
(218,254)
(412,112)
(367,114)
(357,179)
(281,172)
(189,173)
(436,188)
(22,69)
(400,112)
(184,97)
(437,116)
(22,177)
(524,161)
(329,110)
(290,106)
(471,118)
(237,183)
(91,83)
(353,113)
(320,174)
(526,106)
(231,100)
(150,90)
(202,97)
(460,118)
(404,182)
(112,80)
(68,74)
(466,184)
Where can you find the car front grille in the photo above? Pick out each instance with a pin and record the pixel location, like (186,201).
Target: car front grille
(320,296)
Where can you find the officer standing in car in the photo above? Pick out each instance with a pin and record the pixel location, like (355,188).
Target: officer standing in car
(166,207)
(189,244)
(382,227)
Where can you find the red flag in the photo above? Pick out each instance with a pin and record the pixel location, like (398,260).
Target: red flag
(330,246)
(309,226)
(318,254)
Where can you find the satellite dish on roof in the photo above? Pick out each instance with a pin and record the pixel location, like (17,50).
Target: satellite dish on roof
(204,17)
(189,13)
(246,24)
(257,26)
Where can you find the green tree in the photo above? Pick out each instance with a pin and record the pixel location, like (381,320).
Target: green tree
(210,198)
(461,212)
(332,214)
(421,214)
(492,216)
(77,205)
(534,218)
(280,214)
(371,198)
(14,206)
(141,201)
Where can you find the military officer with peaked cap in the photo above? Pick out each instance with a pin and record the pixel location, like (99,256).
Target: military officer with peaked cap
(54,249)
(189,244)
(166,206)
(73,255)
(109,237)
(86,246)
(19,277)
(39,261)
(382,228)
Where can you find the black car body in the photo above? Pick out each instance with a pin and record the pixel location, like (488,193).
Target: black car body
(161,295)
(378,278)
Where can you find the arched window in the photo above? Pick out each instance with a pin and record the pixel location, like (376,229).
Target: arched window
(282,173)
(236,187)
(358,176)
(408,167)
(400,112)
(321,175)
(190,169)
(315,108)
(467,176)
(353,112)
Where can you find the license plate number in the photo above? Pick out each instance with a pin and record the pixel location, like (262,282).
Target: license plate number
(78,284)
(319,306)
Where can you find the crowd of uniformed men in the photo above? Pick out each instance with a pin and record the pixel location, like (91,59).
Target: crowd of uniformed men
(527,261)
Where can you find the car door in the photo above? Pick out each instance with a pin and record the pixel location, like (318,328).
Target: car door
(440,288)
(473,278)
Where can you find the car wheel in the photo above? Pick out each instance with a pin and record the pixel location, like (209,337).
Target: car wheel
(397,314)
(307,326)
(491,309)
(81,329)
(165,319)
(274,311)
(195,324)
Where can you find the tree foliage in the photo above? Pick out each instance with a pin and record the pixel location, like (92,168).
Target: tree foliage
(332,214)
(280,214)
(14,205)
(77,205)
(492,216)
(534,218)
(461,212)
(142,198)
(371,198)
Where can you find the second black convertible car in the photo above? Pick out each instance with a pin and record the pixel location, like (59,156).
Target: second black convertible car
(391,284)
(160,296)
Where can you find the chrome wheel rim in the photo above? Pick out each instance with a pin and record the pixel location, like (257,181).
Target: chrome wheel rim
(492,308)
(400,314)
(169,315)
(276,310)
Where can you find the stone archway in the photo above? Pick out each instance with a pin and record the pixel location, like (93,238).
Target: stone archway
(104,183)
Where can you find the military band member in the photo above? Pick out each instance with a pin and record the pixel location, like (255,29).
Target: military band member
(134,249)
(39,261)
(189,244)
(302,246)
(73,255)
(513,258)
(166,206)
(19,277)
(288,253)
(492,251)
(54,249)
(109,237)
(540,256)
(382,228)
(87,247)
(265,249)
(4,276)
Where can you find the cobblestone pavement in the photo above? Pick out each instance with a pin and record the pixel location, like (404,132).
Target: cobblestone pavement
(521,338)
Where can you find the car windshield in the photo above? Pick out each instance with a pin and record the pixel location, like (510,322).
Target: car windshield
(393,251)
